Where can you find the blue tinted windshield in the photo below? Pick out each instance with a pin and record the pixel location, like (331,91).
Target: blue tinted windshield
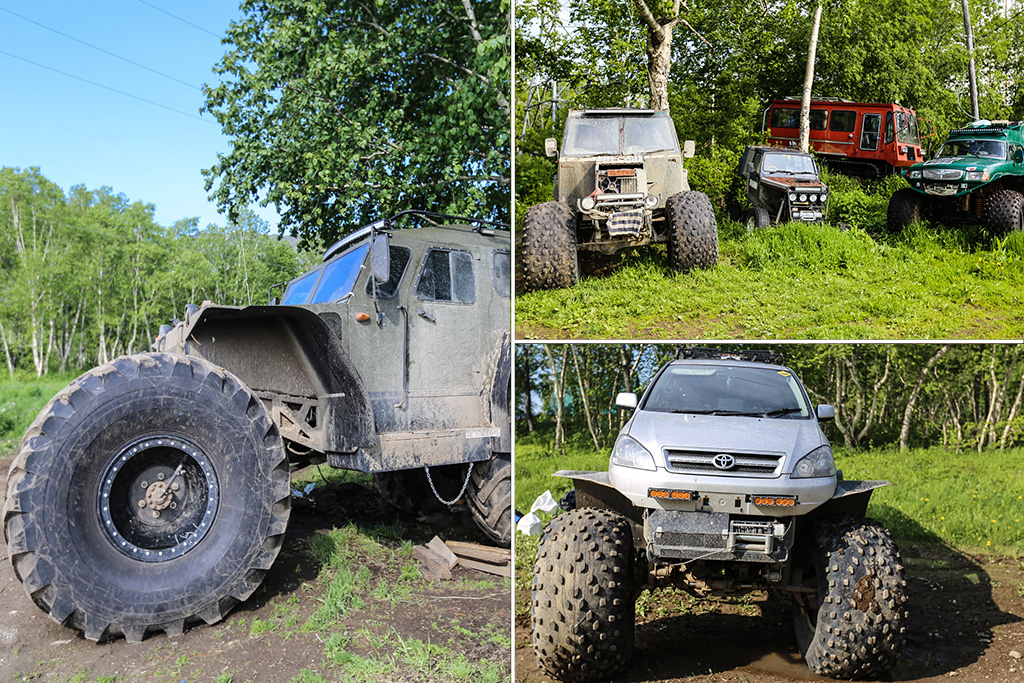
(298,291)
(340,276)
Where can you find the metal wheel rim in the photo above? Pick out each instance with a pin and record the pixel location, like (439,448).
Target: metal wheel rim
(183,516)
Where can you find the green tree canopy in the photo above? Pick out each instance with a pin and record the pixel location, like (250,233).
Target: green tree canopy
(342,112)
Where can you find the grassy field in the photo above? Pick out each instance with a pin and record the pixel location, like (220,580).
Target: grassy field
(21,399)
(797,281)
(970,500)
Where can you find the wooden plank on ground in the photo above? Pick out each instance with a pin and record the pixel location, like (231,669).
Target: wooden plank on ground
(432,565)
(484,553)
(500,570)
(443,551)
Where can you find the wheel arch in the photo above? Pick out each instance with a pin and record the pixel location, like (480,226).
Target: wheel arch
(293,361)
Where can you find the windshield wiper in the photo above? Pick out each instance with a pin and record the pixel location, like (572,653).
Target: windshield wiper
(782,411)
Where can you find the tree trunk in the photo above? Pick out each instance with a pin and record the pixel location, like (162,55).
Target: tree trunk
(583,397)
(805,102)
(659,52)
(971,77)
(912,402)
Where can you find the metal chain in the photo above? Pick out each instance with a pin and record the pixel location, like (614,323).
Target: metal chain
(454,500)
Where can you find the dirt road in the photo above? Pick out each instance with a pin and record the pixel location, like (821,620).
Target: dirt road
(406,629)
(966,624)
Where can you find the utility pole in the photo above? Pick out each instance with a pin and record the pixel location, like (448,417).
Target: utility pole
(805,102)
(970,65)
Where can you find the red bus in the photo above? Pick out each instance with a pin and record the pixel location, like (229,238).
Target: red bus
(855,138)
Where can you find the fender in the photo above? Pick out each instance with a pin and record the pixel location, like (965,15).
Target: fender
(499,366)
(293,361)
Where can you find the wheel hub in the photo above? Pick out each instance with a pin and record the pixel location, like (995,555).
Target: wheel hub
(158,498)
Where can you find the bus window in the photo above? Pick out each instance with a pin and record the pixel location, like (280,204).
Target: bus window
(890,129)
(869,131)
(843,121)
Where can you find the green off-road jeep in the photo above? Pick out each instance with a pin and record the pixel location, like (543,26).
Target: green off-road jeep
(154,491)
(620,184)
(977,173)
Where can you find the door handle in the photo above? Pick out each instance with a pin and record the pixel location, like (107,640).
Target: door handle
(426,316)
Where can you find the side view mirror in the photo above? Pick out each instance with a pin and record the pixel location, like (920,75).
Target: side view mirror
(626,400)
(551,147)
(750,167)
(380,258)
(1018,156)
(826,412)
(689,149)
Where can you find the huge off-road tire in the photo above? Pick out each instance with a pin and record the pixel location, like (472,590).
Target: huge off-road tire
(1003,212)
(758,219)
(548,248)
(857,629)
(583,617)
(150,493)
(490,497)
(905,207)
(692,231)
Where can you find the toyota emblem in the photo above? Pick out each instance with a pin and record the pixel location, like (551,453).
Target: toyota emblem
(724,461)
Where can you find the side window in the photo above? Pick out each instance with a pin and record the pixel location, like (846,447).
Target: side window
(399,261)
(890,129)
(843,121)
(340,276)
(501,273)
(869,133)
(298,292)
(447,275)
(819,119)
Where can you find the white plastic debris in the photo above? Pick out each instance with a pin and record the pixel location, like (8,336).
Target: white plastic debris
(530,524)
(545,502)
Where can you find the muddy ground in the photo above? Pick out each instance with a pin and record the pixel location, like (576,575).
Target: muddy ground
(263,639)
(966,624)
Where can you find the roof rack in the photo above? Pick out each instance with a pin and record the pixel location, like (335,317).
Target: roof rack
(750,355)
(986,127)
(390,224)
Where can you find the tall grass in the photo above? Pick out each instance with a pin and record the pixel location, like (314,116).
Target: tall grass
(21,399)
(974,501)
(809,281)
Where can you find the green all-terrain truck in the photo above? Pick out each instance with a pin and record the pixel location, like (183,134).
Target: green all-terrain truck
(154,491)
(978,174)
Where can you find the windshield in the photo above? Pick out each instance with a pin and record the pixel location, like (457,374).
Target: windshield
(787,163)
(728,390)
(615,135)
(987,149)
(906,129)
(340,275)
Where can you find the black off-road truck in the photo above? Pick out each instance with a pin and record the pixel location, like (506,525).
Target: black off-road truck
(782,185)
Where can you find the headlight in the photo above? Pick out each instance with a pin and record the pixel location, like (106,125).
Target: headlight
(792,196)
(977,175)
(803,198)
(915,174)
(651,201)
(587,203)
(817,463)
(629,453)
(814,198)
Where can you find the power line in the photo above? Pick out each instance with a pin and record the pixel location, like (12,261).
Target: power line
(184,21)
(106,87)
(100,49)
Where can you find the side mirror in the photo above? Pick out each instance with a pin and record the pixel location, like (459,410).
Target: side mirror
(1018,156)
(750,168)
(689,149)
(380,258)
(551,147)
(626,400)
(826,412)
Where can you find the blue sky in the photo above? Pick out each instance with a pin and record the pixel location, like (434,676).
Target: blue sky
(79,133)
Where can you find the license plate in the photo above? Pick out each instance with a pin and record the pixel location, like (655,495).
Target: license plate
(808,215)
(941,190)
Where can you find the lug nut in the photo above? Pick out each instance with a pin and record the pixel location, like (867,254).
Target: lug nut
(160,476)
(175,486)
(173,505)
(156,513)
(142,503)
(145,484)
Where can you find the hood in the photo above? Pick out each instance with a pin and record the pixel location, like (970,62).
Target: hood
(790,182)
(967,163)
(733,434)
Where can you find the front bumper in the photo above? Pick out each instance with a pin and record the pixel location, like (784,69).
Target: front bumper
(682,536)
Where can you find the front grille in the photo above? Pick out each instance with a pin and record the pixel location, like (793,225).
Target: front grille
(943,174)
(702,462)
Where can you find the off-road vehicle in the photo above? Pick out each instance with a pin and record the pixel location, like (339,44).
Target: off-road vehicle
(978,173)
(155,490)
(620,184)
(782,185)
(721,482)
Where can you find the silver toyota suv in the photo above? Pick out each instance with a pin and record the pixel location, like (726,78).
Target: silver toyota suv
(722,482)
